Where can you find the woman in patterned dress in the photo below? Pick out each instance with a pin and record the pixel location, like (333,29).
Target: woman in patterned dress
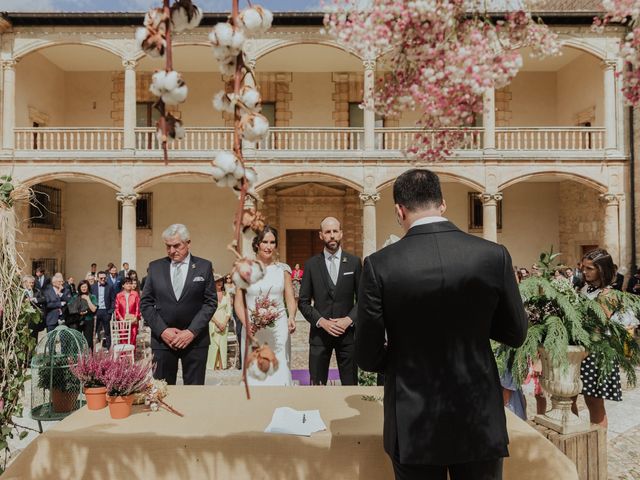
(599,271)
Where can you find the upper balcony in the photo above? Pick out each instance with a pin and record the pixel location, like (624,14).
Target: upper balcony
(562,108)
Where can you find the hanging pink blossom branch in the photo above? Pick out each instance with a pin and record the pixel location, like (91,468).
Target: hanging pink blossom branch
(440,57)
(626,12)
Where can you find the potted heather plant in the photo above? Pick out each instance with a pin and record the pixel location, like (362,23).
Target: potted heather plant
(91,369)
(122,381)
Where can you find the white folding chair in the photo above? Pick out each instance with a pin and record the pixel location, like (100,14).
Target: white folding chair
(120,335)
(232,342)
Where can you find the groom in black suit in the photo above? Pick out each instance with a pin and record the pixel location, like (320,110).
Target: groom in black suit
(439,294)
(178,301)
(331,280)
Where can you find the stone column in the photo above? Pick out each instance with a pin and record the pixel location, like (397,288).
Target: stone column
(490,215)
(612,226)
(489,120)
(129,241)
(8,103)
(369,200)
(369,114)
(610,104)
(129,103)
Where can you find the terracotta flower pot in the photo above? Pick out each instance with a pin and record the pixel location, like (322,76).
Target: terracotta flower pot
(96,397)
(63,402)
(120,407)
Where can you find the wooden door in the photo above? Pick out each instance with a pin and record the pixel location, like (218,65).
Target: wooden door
(302,245)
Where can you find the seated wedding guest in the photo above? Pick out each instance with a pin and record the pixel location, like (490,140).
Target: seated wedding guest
(127,307)
(598,270)
(87,312)
(219,327)
(36,298)
(56,298)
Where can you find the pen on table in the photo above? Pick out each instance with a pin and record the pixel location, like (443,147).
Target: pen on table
(304,418)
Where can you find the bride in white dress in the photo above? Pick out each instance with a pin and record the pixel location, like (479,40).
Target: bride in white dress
(277,284)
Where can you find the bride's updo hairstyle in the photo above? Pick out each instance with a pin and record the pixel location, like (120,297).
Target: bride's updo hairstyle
(604,263)
(260,236)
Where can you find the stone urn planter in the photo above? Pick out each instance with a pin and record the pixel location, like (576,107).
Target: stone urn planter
(562,383)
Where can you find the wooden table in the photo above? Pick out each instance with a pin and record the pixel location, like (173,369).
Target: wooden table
(221,437)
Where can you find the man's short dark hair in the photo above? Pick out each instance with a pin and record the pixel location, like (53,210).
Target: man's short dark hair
(102,272)
(40,270)
(94,264)
(417,189)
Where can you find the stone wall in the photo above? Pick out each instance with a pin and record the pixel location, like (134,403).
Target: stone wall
(581,214)
(34,243)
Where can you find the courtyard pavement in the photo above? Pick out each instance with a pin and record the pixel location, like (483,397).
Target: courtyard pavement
(624,417)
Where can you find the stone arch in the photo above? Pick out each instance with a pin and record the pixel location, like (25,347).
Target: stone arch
(306,176)
(149,182)
(585,46)
(443,175)
(47,177)
(139,55)
(590,182)
(41,44)
(273,46)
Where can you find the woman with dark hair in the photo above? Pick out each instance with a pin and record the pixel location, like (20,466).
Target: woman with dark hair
(275,286)
(87,316)
(599,271)
(219,327)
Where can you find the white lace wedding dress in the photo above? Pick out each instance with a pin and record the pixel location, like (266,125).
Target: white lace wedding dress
(276,336)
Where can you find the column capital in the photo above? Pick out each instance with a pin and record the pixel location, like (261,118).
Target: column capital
(487,197)
(611,199)
(127,199)
(369,198)
(369,64)
(8,64)
(609,64)
(129,63)
(251,63)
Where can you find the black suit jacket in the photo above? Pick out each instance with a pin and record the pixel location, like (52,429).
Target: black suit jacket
(109,296)
(440,295)
(329,300)
(193,310)
(53,304)
(47,282)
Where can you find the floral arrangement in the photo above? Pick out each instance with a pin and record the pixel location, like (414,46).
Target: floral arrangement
(125,378)
(440,57)
(265,312)
(626,12)
(92,368)
(559,316)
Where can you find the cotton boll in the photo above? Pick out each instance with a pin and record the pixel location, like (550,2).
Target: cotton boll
(257,271)
(238,173)
(250,97)
(222,102)
(217,173)
(267,18)
(141,36)
(251,20)
(224,53)
(157,83)
(228,68)
(251,175)
(255,127)
(226,161)
(196,17)
(154,17)
(221,35)
(172,80)
(175,96)
(179,130)
(254,371)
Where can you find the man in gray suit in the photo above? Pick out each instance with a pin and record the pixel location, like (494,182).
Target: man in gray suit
(178,301)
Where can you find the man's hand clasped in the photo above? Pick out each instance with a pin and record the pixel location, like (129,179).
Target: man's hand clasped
(335,326)
(177,339)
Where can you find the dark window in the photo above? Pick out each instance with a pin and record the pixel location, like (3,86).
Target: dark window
(45,211)
(269,111)
(476,212)
(146,116)
(144,209)
(50,265)
(35,135)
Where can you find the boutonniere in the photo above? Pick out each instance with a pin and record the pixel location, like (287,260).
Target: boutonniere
(344,259)
(193,265)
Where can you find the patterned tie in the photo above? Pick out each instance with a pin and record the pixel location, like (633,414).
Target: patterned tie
(333,271)
(178,280)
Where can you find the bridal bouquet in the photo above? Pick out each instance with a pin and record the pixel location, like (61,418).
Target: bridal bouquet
(265,312)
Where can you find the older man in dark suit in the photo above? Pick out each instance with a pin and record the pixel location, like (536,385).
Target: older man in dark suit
(427,307)
(178,301)
(330,281)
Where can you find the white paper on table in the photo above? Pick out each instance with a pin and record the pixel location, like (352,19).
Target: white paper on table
(295,422)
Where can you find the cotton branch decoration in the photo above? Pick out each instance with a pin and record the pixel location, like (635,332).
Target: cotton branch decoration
(228,168)
(441,57)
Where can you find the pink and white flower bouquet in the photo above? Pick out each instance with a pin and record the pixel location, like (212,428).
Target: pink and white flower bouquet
(265,312)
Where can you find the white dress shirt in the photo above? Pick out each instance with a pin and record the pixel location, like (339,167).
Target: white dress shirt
(184,269)
(427,220)
(328,259)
